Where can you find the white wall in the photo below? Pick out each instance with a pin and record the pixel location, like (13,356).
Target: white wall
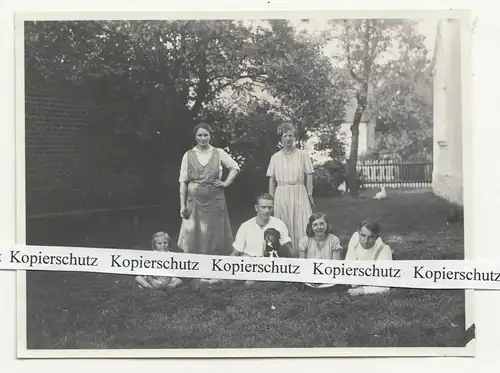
(447,172)
(363,145)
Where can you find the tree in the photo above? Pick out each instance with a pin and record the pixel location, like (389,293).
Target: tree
(166,69)
(374,51)
(404,110)
(311,92)
(184,65)
(156,79)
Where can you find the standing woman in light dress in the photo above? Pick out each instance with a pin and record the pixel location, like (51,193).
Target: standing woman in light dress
(205,225)
(291,184)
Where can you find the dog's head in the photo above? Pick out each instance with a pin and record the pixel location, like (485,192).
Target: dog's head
(272,237)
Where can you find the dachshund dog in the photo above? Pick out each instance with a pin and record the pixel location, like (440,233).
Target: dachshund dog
(273,247)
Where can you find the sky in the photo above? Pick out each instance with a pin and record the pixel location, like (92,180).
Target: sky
(427,27)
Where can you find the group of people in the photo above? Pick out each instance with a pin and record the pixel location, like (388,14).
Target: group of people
(287,207)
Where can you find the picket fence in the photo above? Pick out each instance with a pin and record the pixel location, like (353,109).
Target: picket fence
(395,174)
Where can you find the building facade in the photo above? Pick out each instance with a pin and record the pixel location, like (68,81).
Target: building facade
(447,116)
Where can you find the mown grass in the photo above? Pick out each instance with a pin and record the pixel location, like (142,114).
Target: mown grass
(92,311)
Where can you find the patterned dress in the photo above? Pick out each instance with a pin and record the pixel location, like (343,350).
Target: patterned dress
(291,203)
(207,230)
(332,250)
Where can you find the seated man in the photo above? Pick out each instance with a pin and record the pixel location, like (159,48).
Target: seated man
(366,244)
(250,240)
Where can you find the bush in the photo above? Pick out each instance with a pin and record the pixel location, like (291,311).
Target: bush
(328,177)
(247,185)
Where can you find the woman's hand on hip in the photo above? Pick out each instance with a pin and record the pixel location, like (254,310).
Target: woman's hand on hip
(220,184)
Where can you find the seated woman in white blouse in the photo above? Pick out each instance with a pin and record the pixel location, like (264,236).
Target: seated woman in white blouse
(366,244)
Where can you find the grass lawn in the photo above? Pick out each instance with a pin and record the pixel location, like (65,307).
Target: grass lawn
(96,311)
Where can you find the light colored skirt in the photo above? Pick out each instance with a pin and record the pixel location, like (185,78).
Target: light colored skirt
(292,206)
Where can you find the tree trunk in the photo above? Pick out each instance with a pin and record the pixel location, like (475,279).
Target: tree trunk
(362,99)
(352,174)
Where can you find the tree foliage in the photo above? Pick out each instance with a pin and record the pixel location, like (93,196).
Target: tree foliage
(183,65)
(310,90)
(156,79)
(387,63)
(403,105)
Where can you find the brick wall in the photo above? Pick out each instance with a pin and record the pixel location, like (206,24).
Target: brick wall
(62,173)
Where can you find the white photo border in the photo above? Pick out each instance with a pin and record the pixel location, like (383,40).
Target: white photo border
(466,17)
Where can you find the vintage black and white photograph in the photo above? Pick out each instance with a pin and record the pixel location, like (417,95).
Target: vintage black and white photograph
(307,135)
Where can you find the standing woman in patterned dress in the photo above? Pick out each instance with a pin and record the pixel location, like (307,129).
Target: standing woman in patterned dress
(205,225)
(291,184)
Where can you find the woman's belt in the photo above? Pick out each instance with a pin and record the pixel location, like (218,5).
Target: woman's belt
(281,183)
(207,187)
(205,184)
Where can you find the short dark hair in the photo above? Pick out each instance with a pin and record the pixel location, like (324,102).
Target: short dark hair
(372,225)
(205,126)
(263,196)
(313,218)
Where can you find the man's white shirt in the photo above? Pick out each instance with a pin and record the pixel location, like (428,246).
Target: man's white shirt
(250,236)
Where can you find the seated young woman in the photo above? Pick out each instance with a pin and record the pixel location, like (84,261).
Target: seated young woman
(319,241)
